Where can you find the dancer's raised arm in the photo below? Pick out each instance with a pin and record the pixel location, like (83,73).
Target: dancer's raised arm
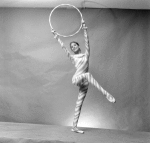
(86,38)
(56,36)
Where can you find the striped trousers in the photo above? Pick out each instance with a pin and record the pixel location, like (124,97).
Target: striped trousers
(83,81)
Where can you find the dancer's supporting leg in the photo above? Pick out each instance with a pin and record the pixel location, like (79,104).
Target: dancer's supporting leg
(82,94)
(91,80)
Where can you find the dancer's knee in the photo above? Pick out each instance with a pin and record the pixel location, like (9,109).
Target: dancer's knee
(85,82)
(76,81)
(88,76)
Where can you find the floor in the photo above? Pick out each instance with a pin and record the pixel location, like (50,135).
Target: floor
(37,133)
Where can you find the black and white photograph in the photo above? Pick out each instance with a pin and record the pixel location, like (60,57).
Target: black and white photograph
(74,71)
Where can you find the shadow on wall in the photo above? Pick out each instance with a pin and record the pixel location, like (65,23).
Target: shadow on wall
(35,79)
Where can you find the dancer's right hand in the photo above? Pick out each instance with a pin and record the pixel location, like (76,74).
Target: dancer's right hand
(54,32)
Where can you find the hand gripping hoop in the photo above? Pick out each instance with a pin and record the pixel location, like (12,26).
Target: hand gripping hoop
(73,7)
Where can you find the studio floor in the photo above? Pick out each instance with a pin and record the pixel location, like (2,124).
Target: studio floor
(37,133)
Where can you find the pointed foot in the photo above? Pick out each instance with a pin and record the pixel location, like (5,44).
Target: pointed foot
(76,130)
(110,98)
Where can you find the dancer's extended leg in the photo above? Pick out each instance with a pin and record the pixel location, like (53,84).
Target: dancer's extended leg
(96,84)
(91,80)
(82,94)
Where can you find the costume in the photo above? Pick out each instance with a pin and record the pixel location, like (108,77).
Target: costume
(82,77)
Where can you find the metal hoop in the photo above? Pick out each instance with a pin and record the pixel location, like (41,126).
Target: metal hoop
(73,7)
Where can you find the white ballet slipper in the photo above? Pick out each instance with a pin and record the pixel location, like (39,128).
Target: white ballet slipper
(76,130)
(110,98)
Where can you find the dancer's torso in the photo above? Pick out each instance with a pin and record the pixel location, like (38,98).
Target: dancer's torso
(81,62)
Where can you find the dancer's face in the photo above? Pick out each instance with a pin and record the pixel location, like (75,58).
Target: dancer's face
(75,48)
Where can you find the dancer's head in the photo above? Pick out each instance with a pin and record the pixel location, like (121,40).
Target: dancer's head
(74,46)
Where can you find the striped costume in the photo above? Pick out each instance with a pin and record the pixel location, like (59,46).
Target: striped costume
(82,77)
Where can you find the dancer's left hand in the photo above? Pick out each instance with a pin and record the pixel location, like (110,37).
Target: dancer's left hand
(83,25)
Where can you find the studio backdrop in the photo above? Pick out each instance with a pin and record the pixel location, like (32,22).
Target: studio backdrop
(35,73)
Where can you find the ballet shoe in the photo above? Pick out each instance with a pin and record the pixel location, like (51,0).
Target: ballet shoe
(76,130)
(110,98)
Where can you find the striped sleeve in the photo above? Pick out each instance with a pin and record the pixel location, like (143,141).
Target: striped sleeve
(65,49)
(87,45)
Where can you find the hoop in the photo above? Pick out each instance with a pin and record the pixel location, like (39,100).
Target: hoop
(73,7)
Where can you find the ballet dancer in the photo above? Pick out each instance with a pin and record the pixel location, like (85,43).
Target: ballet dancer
(82,77)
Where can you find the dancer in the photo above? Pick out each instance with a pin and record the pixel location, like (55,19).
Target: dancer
(82,77)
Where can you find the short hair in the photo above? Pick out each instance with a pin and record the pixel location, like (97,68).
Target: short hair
(74,42)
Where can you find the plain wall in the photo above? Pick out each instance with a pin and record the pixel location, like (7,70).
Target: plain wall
(35,73)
